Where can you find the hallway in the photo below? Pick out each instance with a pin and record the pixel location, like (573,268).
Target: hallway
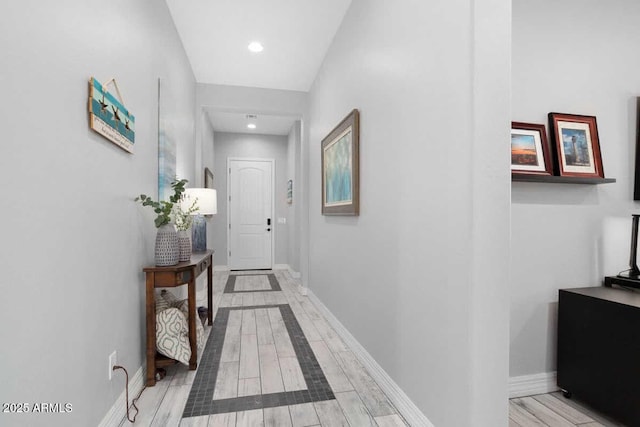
(274,360)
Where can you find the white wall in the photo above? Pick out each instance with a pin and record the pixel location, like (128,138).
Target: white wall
(576,57)
(294,210)
(74,241)
(426,262)
(251,146)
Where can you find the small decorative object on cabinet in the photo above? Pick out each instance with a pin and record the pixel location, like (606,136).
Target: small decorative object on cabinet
(599,349)
(167,246)
(184,245)
(530,149)
(207,200)
(633,272)
(167,249)
(183,212)
(184,273)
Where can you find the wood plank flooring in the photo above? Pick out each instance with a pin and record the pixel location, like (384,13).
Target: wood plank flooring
(554,410)
(258,357)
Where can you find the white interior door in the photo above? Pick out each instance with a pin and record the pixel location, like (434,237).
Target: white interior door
(250,214)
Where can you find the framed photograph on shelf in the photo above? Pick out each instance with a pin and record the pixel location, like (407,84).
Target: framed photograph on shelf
(340,168)
(576,145)
(530,149)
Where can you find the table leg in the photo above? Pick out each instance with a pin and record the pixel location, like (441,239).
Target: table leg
(151,330)
(193,362)
(210,292)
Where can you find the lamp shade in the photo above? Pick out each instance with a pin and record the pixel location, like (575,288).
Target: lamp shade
(207,200)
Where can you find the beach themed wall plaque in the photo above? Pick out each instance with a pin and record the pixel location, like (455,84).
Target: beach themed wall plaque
(109,117)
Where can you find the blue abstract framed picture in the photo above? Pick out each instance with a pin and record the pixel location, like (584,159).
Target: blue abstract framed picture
(166,142)
(340,168)
(577,146)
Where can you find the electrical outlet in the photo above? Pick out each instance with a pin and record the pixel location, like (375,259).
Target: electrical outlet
(113,361)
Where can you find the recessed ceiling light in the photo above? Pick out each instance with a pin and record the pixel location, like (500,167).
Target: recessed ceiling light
(251,126)
(255,47)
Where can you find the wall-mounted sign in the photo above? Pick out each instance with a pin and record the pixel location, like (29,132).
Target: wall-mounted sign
(109,117)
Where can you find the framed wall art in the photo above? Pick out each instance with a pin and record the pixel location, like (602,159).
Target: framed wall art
(109,117)
(340,168)
(576,145)
(166,141)
(208,178)
(530,150)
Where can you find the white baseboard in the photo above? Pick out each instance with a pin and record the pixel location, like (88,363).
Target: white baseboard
(118,411)
(528,385)
(292,272)
(400,400)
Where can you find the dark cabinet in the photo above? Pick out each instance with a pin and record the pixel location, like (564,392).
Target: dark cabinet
(599,349)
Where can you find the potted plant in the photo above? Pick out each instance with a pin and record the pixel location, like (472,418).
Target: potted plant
(166,248)
(183,220)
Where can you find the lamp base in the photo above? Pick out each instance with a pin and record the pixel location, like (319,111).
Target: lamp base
(199,234)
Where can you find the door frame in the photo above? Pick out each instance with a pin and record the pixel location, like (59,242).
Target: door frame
(273,203)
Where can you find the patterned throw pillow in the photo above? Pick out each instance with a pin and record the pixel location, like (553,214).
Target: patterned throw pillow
(169,297)
(184,308)
(161,304)
(172,335)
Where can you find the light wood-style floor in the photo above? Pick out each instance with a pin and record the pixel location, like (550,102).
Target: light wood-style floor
(258,357)
(554,410)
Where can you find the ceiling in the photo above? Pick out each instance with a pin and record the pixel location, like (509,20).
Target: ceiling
(295,33)
(237,123)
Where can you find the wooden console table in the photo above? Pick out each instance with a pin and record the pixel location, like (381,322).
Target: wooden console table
(169,277)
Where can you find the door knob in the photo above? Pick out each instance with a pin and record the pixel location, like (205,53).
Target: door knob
(269,229)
